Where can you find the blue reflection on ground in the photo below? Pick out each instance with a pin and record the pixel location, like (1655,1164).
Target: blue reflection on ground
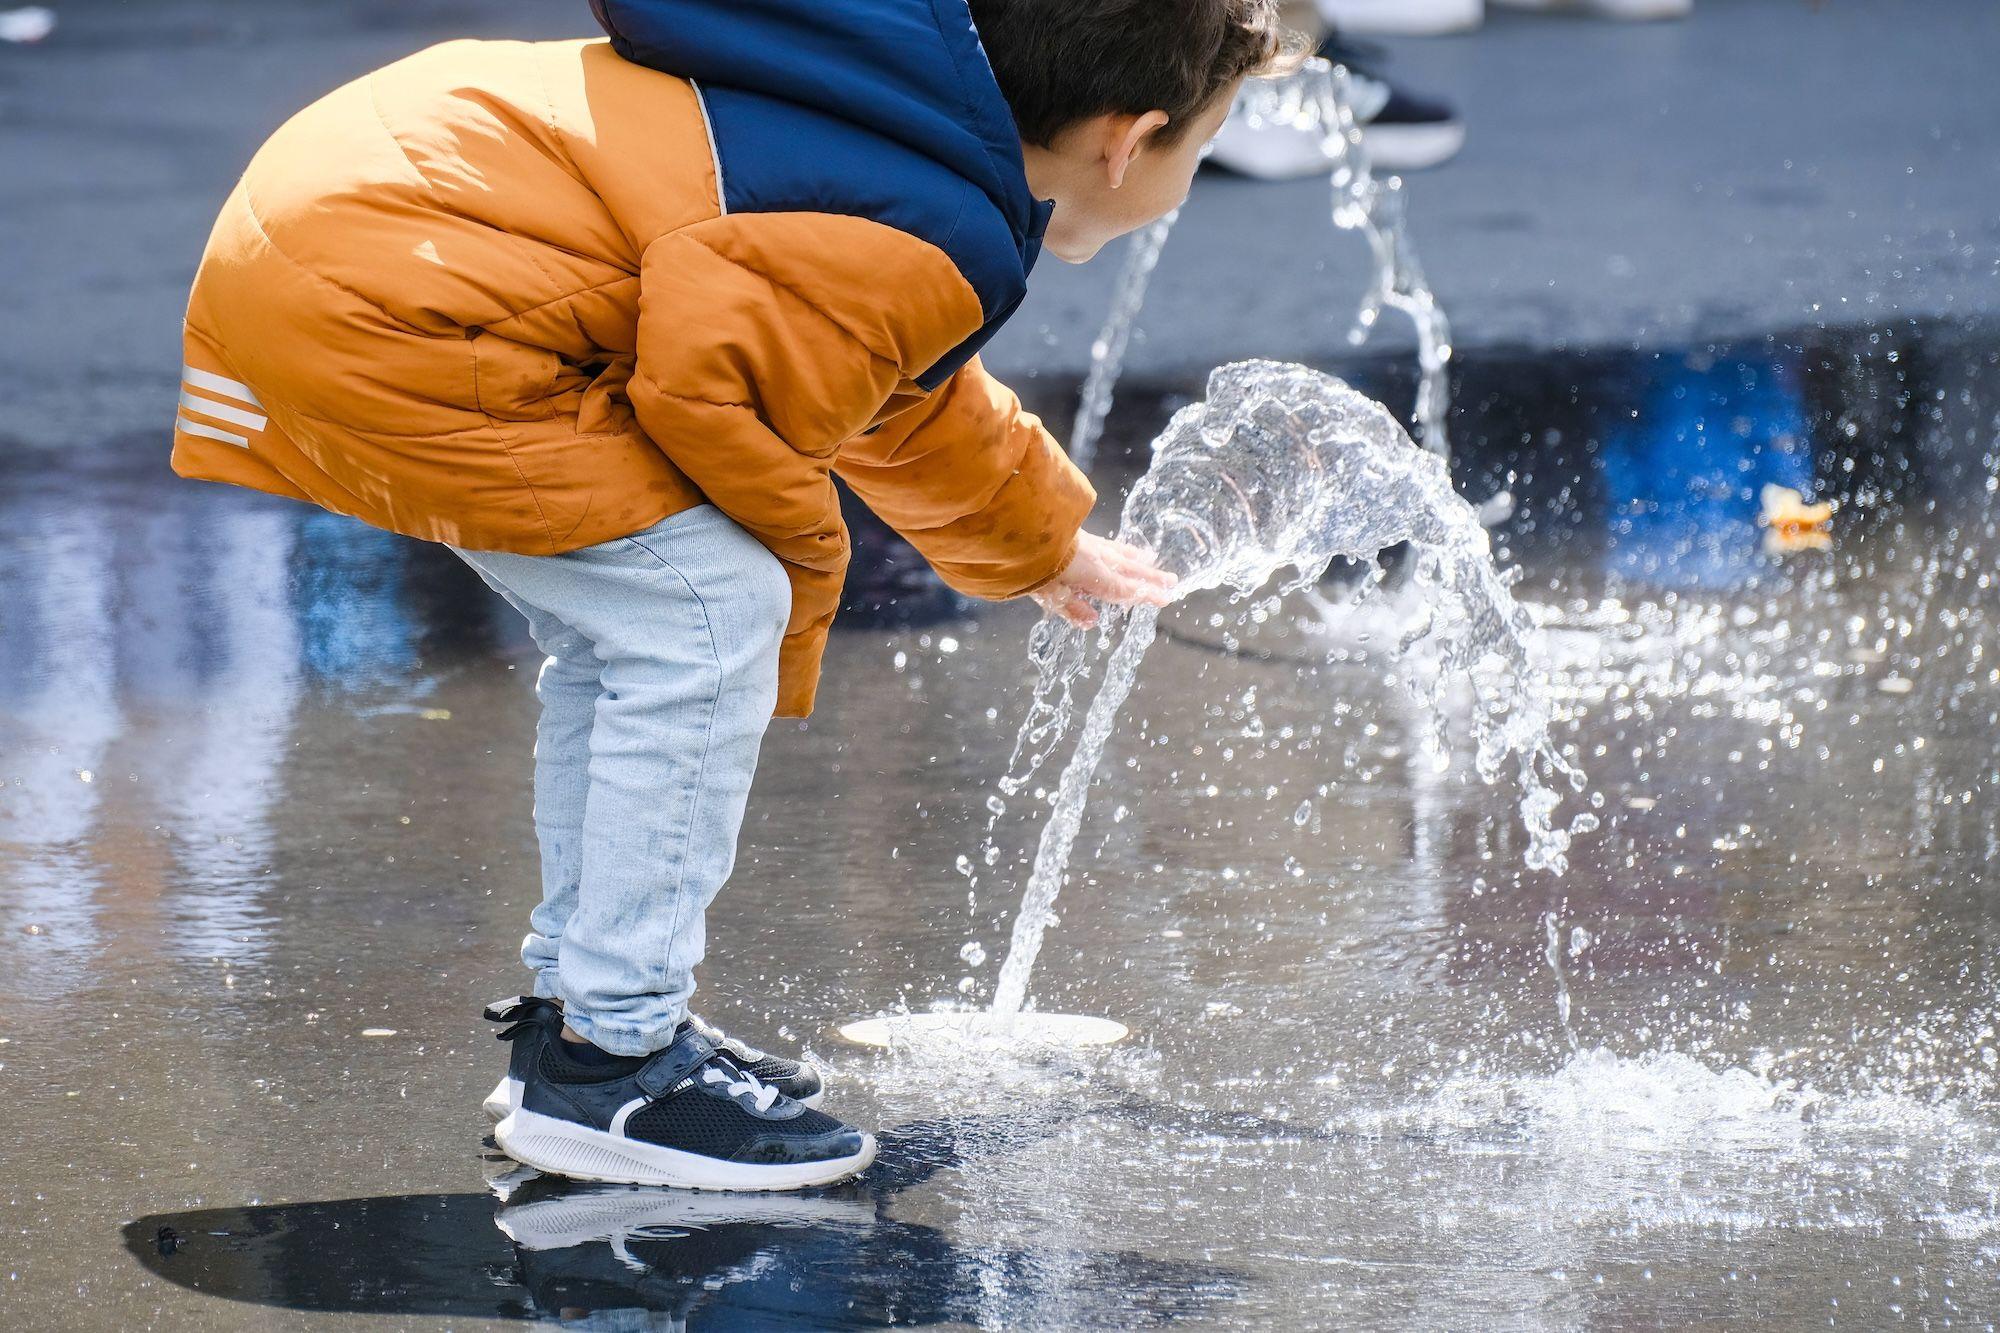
(1683,474)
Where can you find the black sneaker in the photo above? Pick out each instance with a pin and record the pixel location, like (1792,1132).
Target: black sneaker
(531,1019)
(686,1116)
(1401,130)
(794,1078)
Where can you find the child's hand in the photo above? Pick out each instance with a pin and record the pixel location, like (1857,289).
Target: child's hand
(1106,571)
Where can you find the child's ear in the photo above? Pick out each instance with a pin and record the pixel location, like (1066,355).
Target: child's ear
(1128,135)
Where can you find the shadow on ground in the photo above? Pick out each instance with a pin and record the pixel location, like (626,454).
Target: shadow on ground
(536,1247)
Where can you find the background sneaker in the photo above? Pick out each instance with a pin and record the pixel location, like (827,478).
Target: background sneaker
(686,1116)
(1268,150)
(1409,18)
(1401,130)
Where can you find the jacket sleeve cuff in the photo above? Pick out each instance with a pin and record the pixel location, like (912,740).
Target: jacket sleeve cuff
(1049,495)
(1069,554)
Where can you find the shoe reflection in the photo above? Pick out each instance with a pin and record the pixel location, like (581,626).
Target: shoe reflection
(617,1257)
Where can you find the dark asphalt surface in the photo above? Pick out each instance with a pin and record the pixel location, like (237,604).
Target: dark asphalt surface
(1766,166)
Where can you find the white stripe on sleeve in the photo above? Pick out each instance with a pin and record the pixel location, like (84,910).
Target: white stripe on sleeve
(235,416)
(210,432)
(228,388)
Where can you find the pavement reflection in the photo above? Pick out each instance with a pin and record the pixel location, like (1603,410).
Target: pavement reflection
(596,1256)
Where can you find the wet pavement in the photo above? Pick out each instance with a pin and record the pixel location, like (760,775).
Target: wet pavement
(264,841)
(264,851)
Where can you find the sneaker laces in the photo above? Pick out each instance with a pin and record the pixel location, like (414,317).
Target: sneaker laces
(745,1085)
(718,1037)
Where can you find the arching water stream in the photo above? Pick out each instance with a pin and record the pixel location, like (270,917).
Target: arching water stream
(1281,469)
(1314,99)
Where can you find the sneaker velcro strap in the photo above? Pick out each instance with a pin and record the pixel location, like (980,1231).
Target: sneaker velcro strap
(502,1011)
(689,1052)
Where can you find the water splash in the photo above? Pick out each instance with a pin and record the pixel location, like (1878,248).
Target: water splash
(1375,206)
(1066,816)
(1315,100)
(1606,1119)
(1552,951)
(1107,354)
(1284,468)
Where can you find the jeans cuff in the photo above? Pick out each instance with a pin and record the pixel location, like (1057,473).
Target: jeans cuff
(623,1040)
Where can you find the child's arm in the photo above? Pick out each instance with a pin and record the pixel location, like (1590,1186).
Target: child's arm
(763,343)
(768,342)
(976,485)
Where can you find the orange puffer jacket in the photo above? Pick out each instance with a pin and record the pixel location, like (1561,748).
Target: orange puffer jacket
(493,295)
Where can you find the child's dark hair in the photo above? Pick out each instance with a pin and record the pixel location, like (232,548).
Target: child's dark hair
(1062,61)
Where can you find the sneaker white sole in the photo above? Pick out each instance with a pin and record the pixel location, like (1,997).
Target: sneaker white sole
(506,1095)
(500,1102)
(565,1148)
(1411,147)
(1269,152)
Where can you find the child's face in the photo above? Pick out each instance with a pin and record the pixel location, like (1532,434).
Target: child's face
(1112,174)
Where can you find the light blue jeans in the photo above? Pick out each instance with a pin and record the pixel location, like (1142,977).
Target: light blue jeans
(661,676)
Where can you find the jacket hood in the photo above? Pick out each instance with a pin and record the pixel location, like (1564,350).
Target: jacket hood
(910,71)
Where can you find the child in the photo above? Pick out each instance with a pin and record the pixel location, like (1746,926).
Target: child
(607,318)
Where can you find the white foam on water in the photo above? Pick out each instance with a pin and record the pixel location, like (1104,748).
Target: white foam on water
(983,1026)
(1663,1140)
(1599,1100)
(1107,354)
(952,1059)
